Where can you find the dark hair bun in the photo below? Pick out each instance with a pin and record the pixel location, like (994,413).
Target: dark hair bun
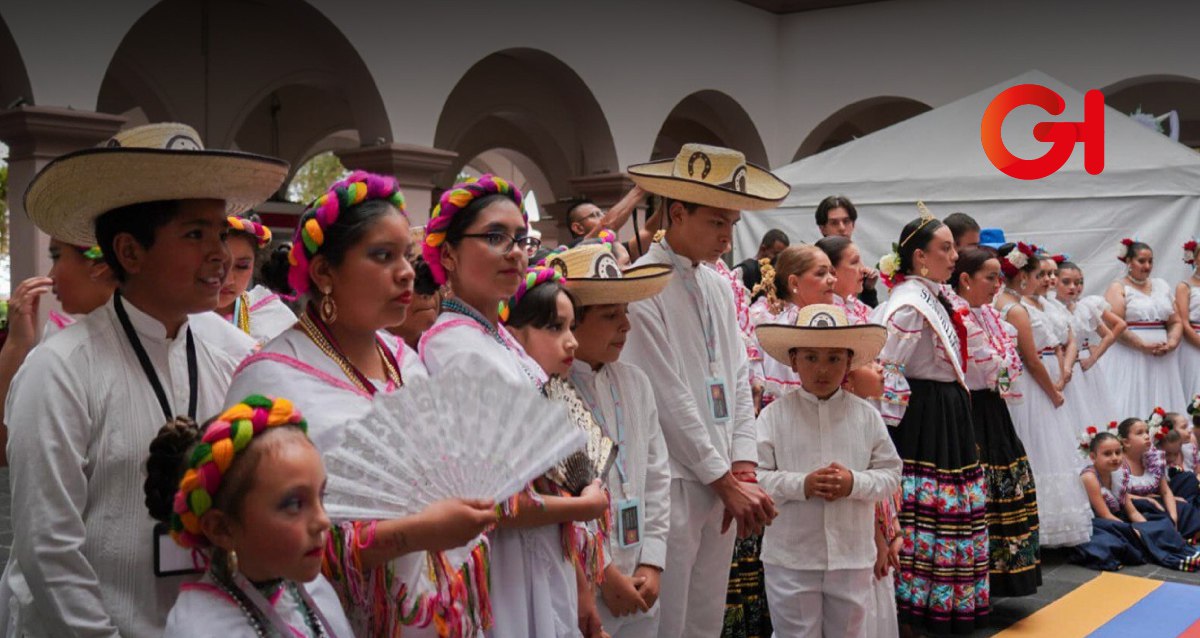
(165,466)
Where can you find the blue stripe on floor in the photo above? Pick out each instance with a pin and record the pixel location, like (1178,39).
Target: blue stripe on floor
(1165,612)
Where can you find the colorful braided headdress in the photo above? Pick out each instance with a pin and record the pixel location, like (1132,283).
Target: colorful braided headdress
(91,252)
(453,202)
(535,277)
(224,438)
(356,188)
(259,232)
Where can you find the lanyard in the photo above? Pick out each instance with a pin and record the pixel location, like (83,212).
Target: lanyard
(614,392)
(699,303)
(148,368)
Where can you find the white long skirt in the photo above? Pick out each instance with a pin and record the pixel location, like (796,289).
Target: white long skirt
(1142,382)
(1189,373)
(1089,396)
(1052,443)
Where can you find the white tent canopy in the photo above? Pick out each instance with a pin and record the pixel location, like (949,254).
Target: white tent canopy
(1149,189)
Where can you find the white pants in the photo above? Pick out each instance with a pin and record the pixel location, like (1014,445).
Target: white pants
(816,604)
(698,560)
(638,625)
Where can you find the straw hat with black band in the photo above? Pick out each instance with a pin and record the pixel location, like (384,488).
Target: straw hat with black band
(711,176)
(822,326)
(595,279)
(156,162)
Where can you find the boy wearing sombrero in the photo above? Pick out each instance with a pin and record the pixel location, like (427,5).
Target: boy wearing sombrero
(620,398)
(686,339)
(826,458)
(86,404)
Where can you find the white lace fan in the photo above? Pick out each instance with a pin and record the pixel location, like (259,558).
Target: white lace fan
(472,437)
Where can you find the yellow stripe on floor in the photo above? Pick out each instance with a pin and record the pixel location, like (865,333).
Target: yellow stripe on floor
(1085,609)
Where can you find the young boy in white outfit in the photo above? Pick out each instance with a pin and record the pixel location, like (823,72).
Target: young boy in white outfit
(826,458)
(620,397)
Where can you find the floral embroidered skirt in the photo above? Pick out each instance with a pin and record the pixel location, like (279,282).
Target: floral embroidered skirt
(943,583)
(1012,514)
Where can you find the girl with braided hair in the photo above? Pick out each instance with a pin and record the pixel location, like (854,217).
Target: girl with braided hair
(245,491)
(255,310)
(348,261)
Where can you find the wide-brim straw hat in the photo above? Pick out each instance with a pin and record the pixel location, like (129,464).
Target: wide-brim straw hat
(156,162)
(711,176)
(822,326)
(595,278)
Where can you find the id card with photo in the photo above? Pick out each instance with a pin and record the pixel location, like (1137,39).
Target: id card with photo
(629,522)
(718,399)
(169,558)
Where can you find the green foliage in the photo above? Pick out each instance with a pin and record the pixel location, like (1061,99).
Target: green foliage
(314,178)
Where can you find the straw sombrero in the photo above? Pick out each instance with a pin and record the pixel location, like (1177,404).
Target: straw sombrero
(595,279)
(148,163)
(711,176)
(822,326)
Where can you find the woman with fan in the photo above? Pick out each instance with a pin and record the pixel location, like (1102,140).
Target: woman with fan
(477,241)
(348,256)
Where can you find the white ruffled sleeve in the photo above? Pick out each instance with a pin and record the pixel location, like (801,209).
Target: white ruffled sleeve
(1090,311)
(904,333)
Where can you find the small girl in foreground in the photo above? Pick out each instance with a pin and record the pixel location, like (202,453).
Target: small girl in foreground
(826,458)
(247,487)
(1147,470)
(1121,535)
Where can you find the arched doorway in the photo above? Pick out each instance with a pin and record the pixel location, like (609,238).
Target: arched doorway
(858,119)
(271,76)
(1159,95)
(526,110)
(709,117)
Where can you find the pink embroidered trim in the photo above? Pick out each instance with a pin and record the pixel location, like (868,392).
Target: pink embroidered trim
(262,302)
(442,327)
(60,320)
(296,364)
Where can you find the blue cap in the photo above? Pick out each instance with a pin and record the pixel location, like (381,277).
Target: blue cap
(992,237)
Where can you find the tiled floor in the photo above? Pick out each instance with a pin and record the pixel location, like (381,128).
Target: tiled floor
(1058,577)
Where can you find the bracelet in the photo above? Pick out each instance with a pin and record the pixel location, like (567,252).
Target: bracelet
(746,476)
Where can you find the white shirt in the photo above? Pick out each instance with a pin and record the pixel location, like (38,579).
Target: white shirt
(643,453)
(204,610)
(269,316)
(798,434)
(81,416)
(913,351)
(458,342)
(667,342)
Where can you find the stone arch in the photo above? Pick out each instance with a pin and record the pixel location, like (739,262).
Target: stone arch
(273,76)
(528,102)
(1159,94)
(858,119)
(709,117)
(14,79)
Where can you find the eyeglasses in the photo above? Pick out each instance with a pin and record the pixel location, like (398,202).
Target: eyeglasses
(503,242)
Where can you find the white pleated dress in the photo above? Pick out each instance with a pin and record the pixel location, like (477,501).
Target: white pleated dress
(1142,382)
(1189,355)
(1064,516)
(1090,389)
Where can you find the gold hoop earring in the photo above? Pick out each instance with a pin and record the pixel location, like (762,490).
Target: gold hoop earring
(328,309)
(231,562)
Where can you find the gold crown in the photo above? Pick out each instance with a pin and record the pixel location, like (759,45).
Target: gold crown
(926,217)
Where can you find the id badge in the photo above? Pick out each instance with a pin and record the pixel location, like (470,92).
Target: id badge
(718,399)
(629,522)
(169,558)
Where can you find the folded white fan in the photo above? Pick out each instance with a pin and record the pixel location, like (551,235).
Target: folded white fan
(470,437)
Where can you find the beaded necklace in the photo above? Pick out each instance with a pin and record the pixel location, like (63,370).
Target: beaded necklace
(315,625)
(454,305)
(319,333)
(241,313)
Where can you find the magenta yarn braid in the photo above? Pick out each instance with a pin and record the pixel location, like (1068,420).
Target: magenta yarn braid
(534,277)
(260,233)
(355,189)
(453,202)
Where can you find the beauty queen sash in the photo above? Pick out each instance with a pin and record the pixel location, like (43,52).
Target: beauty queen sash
(917,295)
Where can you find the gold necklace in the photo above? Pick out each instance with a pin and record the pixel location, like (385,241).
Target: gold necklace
(352,373)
